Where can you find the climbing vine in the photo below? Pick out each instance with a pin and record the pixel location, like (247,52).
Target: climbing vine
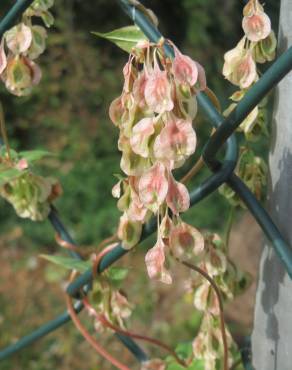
(156,118)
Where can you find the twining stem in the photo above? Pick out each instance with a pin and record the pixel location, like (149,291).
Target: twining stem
(3,132)
(82,250)
(90,339)
(218,294)
(229,225)
(115,328)
(193,171)
(196,167)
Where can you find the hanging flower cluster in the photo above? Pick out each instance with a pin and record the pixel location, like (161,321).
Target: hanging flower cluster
(257,46)
(214,261)
(21,45)
(30,195)
(154,115)
(109,303)
(253,171)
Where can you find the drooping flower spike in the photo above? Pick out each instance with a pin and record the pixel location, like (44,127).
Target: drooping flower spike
(154,114)
(24,43)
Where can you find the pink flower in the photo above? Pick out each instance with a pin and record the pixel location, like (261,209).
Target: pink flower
(256,26)
(239,67)
(3,59)
(185,238)
(21,75)
(22,164)
(177,199)
(154,260)
(201,84)
(139,89)
(116,111)
(158,90)
(141,135)
(131,163)
(177,140)
(185,70)
(128,75)
(129,232)
(153,187)
(18,38)
(154,364)
(205,299)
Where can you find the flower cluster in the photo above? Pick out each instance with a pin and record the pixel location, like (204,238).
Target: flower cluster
(109,303)
(21,45)
(155,364)
(253,171)
(257,46)
(214,261)
(154,115)
(31,195)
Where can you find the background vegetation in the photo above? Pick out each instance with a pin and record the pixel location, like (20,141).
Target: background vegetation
(68,115)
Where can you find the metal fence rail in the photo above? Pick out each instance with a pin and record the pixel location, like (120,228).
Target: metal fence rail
(222,173)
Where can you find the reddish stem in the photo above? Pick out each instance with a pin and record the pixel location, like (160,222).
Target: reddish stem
(90,339)
(108,324)
(218,294)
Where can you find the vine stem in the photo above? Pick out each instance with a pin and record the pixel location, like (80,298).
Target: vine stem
(221,310)
(65,244)
(90,339)
(193,171)
(117,329)
(229,226)
(3,131)
(196,167)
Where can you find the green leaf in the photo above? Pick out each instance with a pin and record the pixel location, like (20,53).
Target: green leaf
(35,155)
(69,263)
(195,365)
(125,38)
(184,350)
(117,273)
(9,174)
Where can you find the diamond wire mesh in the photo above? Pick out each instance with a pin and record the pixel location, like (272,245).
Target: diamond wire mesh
(222,173)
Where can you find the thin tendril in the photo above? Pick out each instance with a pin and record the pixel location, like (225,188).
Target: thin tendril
(4,132)
(90,339)
(115,328)
(221,310)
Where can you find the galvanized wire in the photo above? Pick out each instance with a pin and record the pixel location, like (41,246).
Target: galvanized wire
(222,173)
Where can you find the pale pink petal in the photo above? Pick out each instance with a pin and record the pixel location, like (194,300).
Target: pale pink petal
(128,75)
(257,26)
(116,111)
(116,190)
(129,232)
(18,38)
(141,134)
(185,69)
(22,164)
(185,239)
(245,73)
(3,59)
(154,364)
(154,260)
(232,58)
(177,140)
(158,90)
(239,67)
(153,187)
(139,89)
(201,84)
(36,73)
(177,199)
